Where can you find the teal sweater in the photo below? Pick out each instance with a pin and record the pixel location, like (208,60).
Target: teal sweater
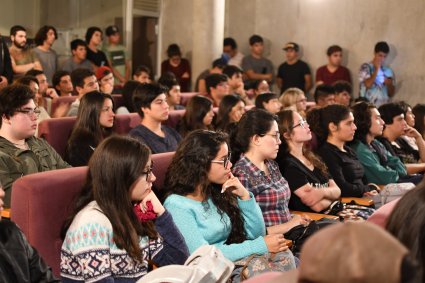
(201,224)
(374,171)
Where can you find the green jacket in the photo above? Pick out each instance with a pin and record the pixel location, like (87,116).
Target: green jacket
(376,172)
(16,162)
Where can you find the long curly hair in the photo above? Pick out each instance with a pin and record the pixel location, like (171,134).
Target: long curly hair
(189,170)
(363,119)
(285,121)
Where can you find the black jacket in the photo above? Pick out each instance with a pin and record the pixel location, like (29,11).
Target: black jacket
(19,262)
(5,61)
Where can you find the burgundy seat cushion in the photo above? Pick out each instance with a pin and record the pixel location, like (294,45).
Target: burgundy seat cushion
(174,117)
(56,132)
(62,99)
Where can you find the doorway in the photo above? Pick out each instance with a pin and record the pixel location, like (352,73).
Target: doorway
(145,42)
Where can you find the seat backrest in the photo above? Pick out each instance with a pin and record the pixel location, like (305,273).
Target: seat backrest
(118,100)
(56,132)
(125,122)
(381,215)
(40,204)
(174,117)
(161,161)
(61,99)
(186,96)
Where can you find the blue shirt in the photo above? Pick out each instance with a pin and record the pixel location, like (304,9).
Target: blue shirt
(156,143)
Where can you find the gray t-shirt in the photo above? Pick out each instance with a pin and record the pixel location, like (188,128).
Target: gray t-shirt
(49,62)
(259,66)
(69,65)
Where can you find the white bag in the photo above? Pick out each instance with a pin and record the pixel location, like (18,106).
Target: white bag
(393,191)
(206,265)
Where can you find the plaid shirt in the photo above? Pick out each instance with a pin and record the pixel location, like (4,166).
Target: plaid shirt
(271,192)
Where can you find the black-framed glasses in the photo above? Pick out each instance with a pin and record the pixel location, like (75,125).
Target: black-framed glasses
(30,112)
(303,123)
(148,172)
(276,136)
(225,161)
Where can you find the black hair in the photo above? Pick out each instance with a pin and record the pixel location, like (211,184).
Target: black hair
(219,63)
(58,75)
(254,39)
(34,73)
(77,42)
(228,41)
(196,109)
(363,119)
(13,97)
(224,109)
(419,112)
(144,94)
(264,98)
(79,75)
(168,80)
(173,50)
(231,70)
(341,86)
(41,35)
(15,29)
(127,94)
(323,91)
(212,80)
(90,31)
(142,69)
(382,46)
(332,49)
(389,110)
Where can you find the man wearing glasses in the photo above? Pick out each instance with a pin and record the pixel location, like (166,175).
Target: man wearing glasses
(20,152)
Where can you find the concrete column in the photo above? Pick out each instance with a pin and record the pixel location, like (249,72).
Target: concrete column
(208,34)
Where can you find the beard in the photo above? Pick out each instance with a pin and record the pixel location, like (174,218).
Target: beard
(20,45)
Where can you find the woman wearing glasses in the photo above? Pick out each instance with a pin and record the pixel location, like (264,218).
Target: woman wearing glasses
(258,140)
(118,223)
(313,190)
(88,131)
(210,205)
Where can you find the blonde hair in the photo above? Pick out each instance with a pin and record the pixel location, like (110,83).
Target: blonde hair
(290,97)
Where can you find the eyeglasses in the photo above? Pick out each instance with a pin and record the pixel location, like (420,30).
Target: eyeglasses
(30,112)
(276,136)
(148,172)
(225,161)
(303,123)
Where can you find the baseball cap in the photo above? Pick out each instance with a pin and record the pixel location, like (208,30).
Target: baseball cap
(102,71)
(291,45)
(111,30)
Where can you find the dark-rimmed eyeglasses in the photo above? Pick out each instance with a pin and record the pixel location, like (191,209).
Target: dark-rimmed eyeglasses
(303,123)
(30,112)
(148,172)
(225,161)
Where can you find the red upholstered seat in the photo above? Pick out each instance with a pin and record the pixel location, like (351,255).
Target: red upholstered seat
(186,96)
(380,216)
(61,99)
(40,203)
(125,122)
(174,117)
(118,100)
(56,132)
(161,161)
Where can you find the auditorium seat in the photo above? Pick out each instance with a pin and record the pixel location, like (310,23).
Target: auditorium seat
(174,117)
(41,202)
(186,96)
(161,161)
(118,100)
(125,122)
(380,216)
(61,99)
(56,132)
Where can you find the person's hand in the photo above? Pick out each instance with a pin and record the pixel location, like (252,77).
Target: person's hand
(234,185)
(61,110)
(185,75)
(388,81)
(51,92)
(412,132)
(300,220)
(377,64)
(370,194)
(312,196)
(3,82)
(275,243)
(268,77)
(158,208)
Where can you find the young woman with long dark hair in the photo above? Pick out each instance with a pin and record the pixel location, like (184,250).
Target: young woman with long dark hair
(199,115)
(230,110)
(107,237)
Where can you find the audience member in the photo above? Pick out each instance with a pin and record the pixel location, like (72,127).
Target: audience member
(217,68)
(20,262)
(377,82)
(258,140)
(94,123)
(118,224)
(84,81)
(268,101)
(230,111)
(407,224)
(44,89)
(23,58)
(61,81)
(151,104)
(79,57)
(199,115)
(312,188)
(230,48)
(211,207)
(235,81)
(342,92)
(32,83)
(333,71)
(419,112)
(395,127)
(324,95)
(44,40)
(20,152)
(177,65)
(105,78)
(255,66)
(93,41)
(142,74)
(294,72)
(217,88)
(381,167)
(169,81)
(6,71)
(119,60)
(294,99)
(410,120)
(334,127)
(127,94)
(258,87)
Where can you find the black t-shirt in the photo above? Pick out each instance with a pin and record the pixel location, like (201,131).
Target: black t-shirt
(298,175)
(293,75)
(98,58)
(401,149)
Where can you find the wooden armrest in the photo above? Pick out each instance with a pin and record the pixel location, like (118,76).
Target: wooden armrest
(315,216)
(359,201)
(5,213)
